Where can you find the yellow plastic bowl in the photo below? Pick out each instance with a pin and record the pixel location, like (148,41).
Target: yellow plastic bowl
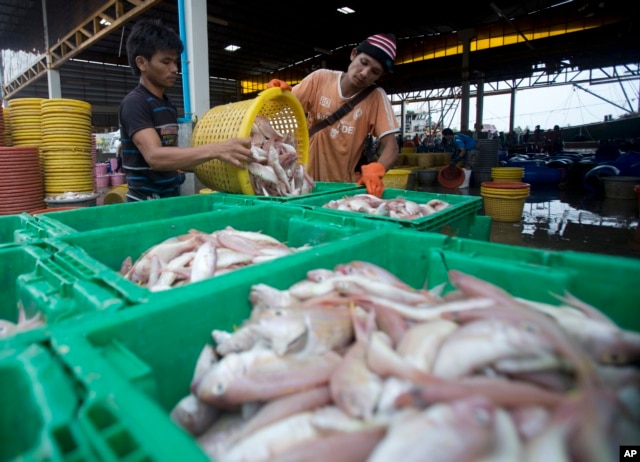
(505,192)
(507,170)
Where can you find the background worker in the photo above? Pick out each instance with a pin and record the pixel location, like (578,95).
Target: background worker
(556,143)
(464,144)
(335,150)
(151,157)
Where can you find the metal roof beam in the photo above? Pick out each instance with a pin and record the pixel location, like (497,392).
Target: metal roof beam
(537,80)
(115,12)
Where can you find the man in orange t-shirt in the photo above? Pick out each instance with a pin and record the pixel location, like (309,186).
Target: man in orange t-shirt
(335,150)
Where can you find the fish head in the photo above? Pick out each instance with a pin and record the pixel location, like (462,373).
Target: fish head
(284,334)
(212,386)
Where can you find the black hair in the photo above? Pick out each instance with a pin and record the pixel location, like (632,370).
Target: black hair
(447,131)
(149,36)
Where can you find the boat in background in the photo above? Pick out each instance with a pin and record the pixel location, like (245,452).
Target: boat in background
(625,127)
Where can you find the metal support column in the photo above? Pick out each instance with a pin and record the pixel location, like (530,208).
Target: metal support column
(53,75)
(465,37)
(479,106)
(512,111)
(197,82)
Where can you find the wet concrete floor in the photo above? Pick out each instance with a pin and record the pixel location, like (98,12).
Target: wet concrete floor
(554,218)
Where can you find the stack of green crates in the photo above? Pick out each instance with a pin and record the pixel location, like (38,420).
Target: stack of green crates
(143,360)
(93,218)
(39,402)
(98,381)
(77,273)
(106,249)
(321,188)
(20,229)
(40,279)
(456,220)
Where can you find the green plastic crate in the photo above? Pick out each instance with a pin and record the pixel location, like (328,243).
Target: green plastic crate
(39,402)
(606,282)
(150,352)
(14,263)
(94,218)
(103,251)
(21,228)
(481,228)
(321,188)
(144,435)
(44,282)
(456,220)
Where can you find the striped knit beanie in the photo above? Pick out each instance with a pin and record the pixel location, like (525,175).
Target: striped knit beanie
(381,47)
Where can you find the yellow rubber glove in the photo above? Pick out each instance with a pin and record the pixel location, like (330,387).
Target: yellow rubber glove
(279,83)
(372,178)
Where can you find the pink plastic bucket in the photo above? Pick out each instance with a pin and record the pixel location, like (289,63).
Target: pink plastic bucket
(102,181)
(117,178)
(101,169)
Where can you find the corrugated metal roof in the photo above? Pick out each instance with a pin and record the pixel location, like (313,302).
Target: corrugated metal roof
(286,42)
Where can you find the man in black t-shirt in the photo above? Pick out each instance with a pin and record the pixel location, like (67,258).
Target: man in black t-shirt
(151,156)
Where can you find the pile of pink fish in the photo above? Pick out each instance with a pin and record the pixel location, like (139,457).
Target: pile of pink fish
(276,170)
(352,364)
(198,255)
(395,208)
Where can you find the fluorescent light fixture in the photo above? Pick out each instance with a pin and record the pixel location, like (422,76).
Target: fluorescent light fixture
(232,47)
(215,20)
(346,10)
(324,51)
(104,22)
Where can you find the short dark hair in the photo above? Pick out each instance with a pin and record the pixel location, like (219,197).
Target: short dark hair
(147,37)
(447,132)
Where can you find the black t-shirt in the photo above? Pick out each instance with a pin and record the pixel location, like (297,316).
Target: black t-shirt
(141,109)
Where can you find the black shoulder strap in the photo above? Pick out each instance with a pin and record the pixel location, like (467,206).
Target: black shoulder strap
(342,110)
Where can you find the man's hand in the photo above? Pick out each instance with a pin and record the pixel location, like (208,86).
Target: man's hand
(234,151)
(372,178)
(279,84)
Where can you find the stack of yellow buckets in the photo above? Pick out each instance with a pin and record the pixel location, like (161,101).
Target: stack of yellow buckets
(504,198)
(66,151)
(25,117)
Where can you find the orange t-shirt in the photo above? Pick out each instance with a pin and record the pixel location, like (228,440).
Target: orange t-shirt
(335,150)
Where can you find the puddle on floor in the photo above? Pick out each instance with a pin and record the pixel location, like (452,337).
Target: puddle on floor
(560,220)
(557,219)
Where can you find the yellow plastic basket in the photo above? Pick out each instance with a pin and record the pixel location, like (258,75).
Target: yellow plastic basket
(502,208)
(396,178)
(441,158)
(234,120)
(427,159)
(411,159)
